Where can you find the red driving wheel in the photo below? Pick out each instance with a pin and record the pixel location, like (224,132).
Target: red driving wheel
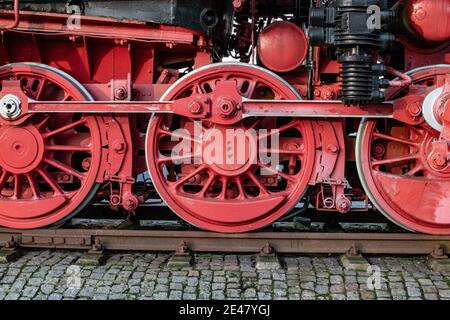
(236,196)
(393,161)
(48,163)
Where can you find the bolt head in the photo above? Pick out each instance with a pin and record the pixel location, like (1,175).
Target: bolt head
(439,161)
(343,205)
(119,147)
(329,94)
(227,108)
(420,14)
(414,109)
(195,107)
(333,148)
(86,163)
(379,149)
(121,93)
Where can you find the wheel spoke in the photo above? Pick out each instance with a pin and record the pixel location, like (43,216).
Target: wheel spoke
(278,173)
(3,179)
(67,148)
(65,128)
(415,170)
(272,132)
(223,193)
(197,89)
(208,183)
(282,151)
(242,194)
(17,186)
(43,122)
(258,183)
(40,89)
(256,123)
(394,139)
(50,181)
(179,136)
(178,159)
(64,167)
(33,185)
(190,176)
(395,160)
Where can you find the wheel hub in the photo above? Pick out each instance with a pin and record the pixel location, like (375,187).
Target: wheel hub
(229,151)
(436,163)
(10,107)
(22,149)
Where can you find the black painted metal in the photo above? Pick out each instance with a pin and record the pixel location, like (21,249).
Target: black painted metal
(210,17)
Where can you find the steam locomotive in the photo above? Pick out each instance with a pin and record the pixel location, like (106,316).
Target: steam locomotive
(232,112)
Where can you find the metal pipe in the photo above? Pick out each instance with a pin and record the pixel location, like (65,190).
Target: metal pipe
(16,17)
(405,81)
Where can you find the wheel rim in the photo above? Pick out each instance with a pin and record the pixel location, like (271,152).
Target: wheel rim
(48,163)
(233,197)
(393,164)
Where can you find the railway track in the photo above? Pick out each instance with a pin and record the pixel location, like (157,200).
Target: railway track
(142,239)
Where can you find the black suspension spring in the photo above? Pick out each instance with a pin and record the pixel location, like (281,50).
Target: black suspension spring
(356,75)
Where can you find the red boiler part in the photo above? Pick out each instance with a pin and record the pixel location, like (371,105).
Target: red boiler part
(429,19)
(282,46)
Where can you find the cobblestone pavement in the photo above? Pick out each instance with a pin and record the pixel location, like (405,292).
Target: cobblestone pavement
(53,275)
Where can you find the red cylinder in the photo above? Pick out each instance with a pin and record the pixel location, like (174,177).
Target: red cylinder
(429,19)
(282,46)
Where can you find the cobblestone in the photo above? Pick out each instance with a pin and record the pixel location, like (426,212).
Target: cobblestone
(44,276)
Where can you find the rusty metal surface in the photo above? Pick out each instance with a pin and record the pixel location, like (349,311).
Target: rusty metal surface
(282,242)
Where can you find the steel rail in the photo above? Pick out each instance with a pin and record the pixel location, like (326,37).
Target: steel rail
(199,241)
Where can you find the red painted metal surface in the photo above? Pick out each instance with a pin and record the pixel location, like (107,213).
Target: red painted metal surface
(399,171)
(101,51)
(96,88)
(234,197)
(282,46)
(315,109)
(16,21)
(429,19)
(43,179)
